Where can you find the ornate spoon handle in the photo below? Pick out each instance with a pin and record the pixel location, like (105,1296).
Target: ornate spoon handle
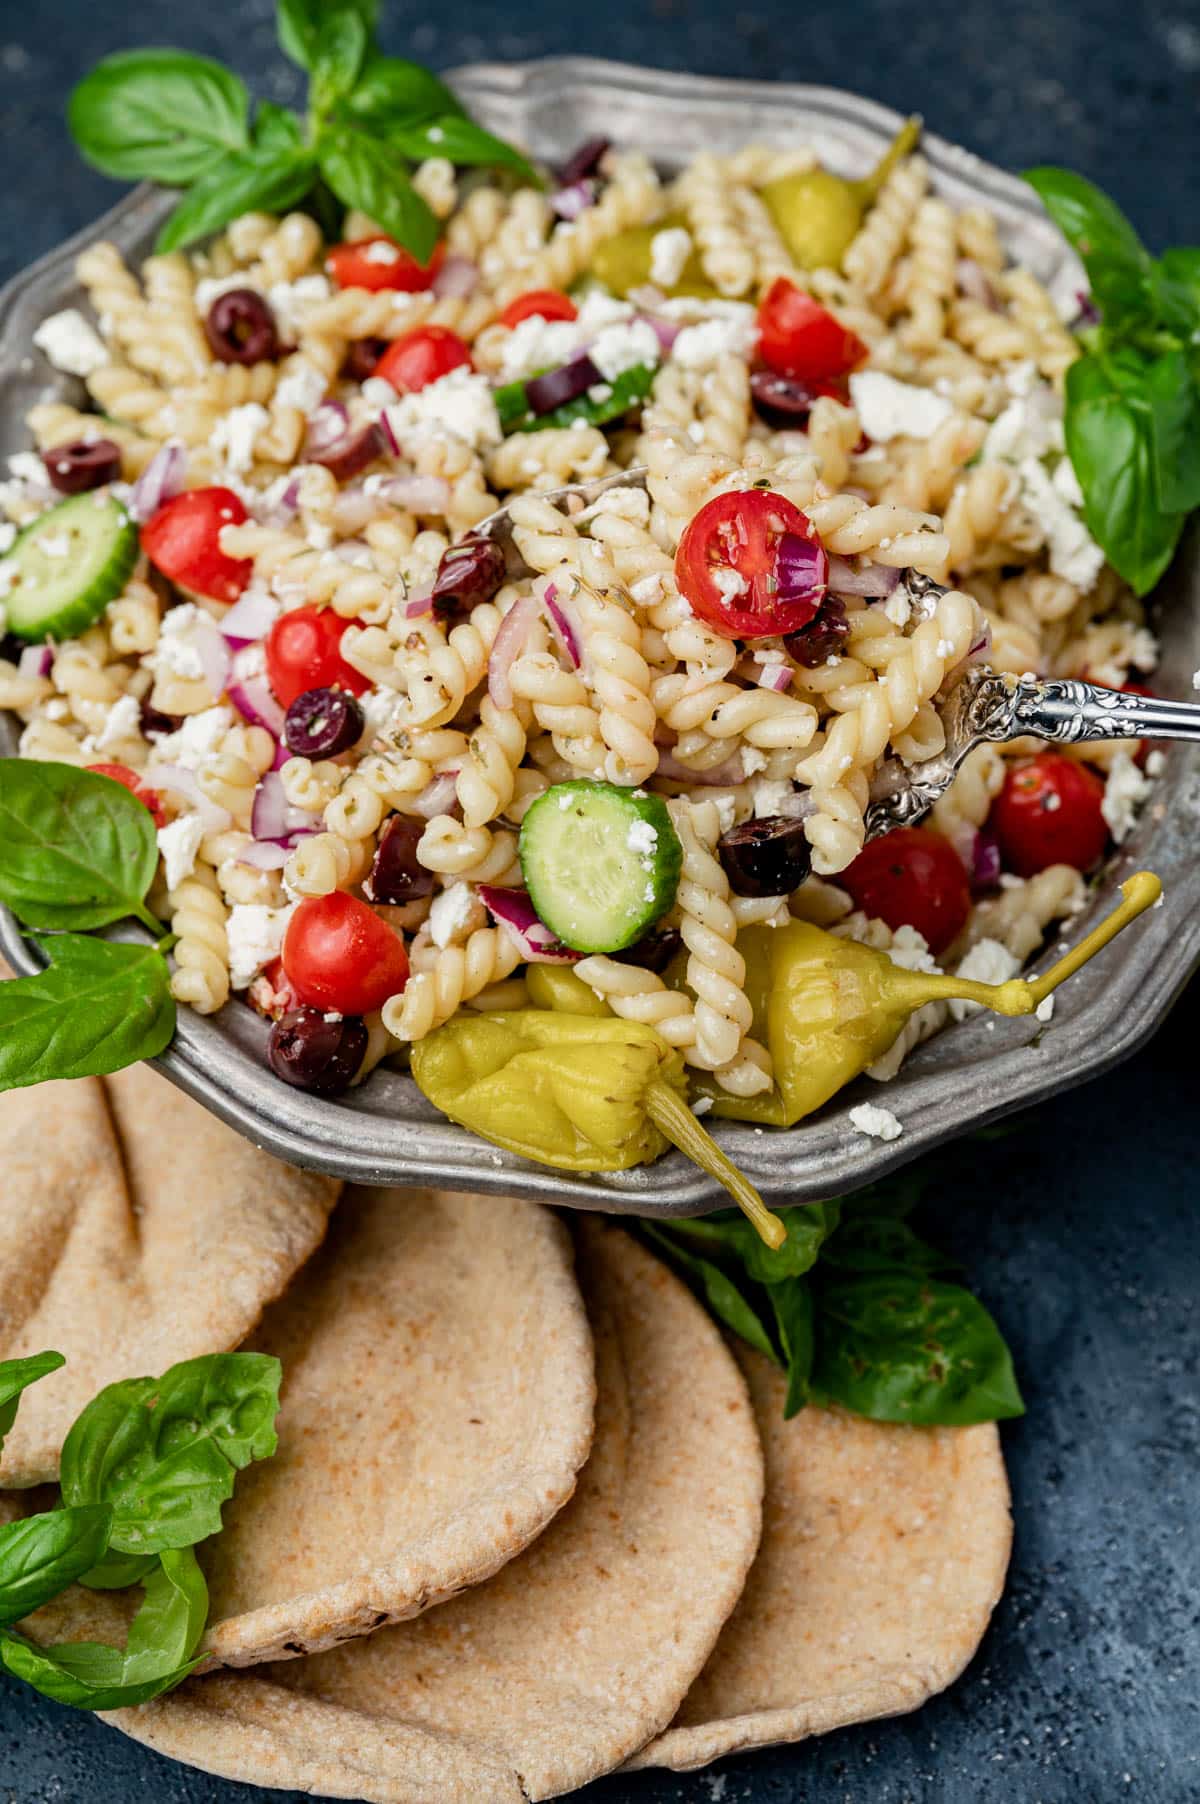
(1066,710)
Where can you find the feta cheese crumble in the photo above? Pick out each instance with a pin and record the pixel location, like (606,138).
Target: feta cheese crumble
(179,842)
(874,1122)
(1045,1009)
(1124,793)
(71,344)
(234,434)
(669,252)
(889,409)
(176,653)
(123,721)
(702,346)
(460,404)
(623,346)
(255,934)
(196,740)
(454,913)
(987,962)
(303,387)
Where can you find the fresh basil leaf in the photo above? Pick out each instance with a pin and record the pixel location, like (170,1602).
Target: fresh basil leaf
(792,1302)
(1173,407)
(298,24)
(337,55)
(117,1571)
(158,1654)
(718,1290)
(391,89)
(1111,450)
(76,849)
(629,389)
(459,138)
(164,1452)
(904,1347)
(16,1375)
(97,1007)
(41,1555)
(1092,223)
(275,128)
(272,180)
(874,1243)
(162,114)
(808,1226)
(364,173)
(1176,283)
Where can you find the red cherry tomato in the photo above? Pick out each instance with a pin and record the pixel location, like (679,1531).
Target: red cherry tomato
(1049,812)
(183,541)
(130,780)
(338,954)
(912,877)
(797,337)
(422,356)
(378,262)
(539,303)
(304,652)
(751,566)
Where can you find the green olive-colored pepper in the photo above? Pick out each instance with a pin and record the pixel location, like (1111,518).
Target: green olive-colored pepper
(826,1008)
(818,213)
(623,262)
(557,987)
(576,1092)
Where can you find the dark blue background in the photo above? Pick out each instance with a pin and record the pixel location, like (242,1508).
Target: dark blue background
(1081,1229)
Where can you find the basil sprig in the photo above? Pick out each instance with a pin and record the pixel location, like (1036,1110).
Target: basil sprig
(854,1306)
(148,1463)
(1132,414)
(625,392)
(185,121)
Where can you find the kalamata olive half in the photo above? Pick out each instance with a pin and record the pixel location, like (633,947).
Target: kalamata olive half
(86,464)
(769,857)
(583,162)
(654,951)
(396,876)
(781,400)
(240,328)
(469,572)
(322,722)
(313,1053)
(362,356)
(154,723)
(824,637)
(347,455)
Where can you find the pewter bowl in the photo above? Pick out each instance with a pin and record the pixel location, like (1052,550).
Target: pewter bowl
(968,1076)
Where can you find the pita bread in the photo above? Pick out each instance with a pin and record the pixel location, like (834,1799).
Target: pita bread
(135,1230)
(574,1654)
(883,1555)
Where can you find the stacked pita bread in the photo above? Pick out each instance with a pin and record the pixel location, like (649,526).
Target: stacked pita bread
(530,1518)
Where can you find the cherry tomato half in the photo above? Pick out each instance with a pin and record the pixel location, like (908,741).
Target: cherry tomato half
(422,356)
(131,780)
(912,877)
(304,652)
(338,954)
(798,337)
(1049,812)
(183,540)
(539,303)
(379,262)
(750,565)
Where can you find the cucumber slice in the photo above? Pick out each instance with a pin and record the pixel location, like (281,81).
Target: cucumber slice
(67,565)
(601,864)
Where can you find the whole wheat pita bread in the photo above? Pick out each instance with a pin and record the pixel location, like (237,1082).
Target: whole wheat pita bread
(883,1554)
(574,1654)
(135,1230)
(437,1404)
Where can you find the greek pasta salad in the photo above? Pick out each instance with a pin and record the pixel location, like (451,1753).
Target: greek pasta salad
(399,775)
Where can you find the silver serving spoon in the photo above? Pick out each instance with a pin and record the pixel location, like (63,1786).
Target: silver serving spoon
(980,706)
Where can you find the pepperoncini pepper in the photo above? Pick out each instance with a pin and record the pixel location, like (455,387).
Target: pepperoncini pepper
(818,213)
(574,1091)
(623,262)
(827,1008)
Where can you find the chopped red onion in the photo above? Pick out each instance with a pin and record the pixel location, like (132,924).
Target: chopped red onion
(420,602)
(263,855)
(775,675)
(573,199)
(273,817)
(36,661)
(1089,313)
(279,509)
(255,703)
(801,569)
(873,580)
(457,278)
(508,645)
(326,425)
(390,436)
(584,160)
(160,481)
(419,494)
(213,651)
(437,797)
(517,915)
(985,864)
(185,782)
(554,388)
(665,330)
(973,282)
(565,624)
(251,617)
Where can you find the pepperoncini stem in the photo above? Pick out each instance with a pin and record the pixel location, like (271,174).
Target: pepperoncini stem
(1140,892)
(901,145)
(671,1115)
